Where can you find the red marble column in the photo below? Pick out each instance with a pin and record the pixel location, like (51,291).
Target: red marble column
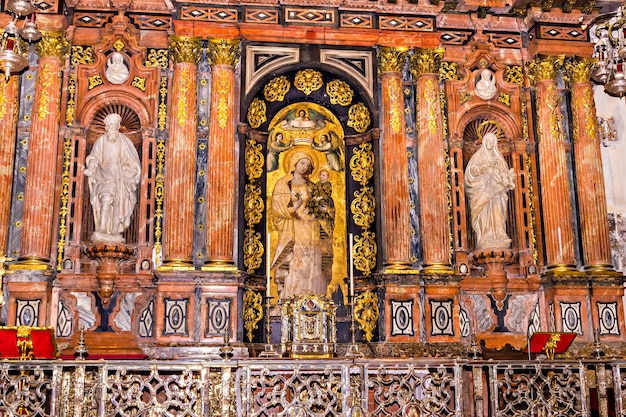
(8,125)
(589,177)
(41,170)
(431,163)
(223,55)
(395,183)
(180,156)
(556,203)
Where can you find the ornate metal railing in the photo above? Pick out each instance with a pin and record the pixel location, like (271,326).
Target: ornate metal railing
(333,387)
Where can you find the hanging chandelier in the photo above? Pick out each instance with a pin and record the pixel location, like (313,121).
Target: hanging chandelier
(12,59)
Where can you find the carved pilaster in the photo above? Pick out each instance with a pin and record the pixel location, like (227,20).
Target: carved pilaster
(555,195)
(180,156)
(589,175)
(431,162)
(395,209)
(223,55)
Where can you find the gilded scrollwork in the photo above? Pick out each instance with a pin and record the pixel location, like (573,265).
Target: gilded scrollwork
(359,117)
(365,250)
(157,58)
(449,71)
(159,192)
(544,67)
(71,102)
(183,86)
(276,88)
(45,81)
(432,101)
(505,99)
(257,113)
(162,114)
(308,80)
(254,160)
(394,92)
(391,59)
(53,44)
(252,312)
(591,123)
(253,205)
(464,97)
(185,49)
(65,187)
(514,74)
(252,250)
(139,83)
(362,163)
(363,207)
(339,92)
(81,55)
(94,81)
(366,313)
(223,52)
(223,88)
(425,61)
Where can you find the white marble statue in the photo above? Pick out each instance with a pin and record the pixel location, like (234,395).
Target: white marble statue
(487,182)
(114,171)
(485,85)
(116,71)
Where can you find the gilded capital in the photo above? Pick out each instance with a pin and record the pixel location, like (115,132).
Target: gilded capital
(545,67)
(53,44)
(391,59)
(185,49)
(425,61)
(223,51)
(579,69)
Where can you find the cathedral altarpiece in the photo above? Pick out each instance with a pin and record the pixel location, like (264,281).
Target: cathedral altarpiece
(218,125)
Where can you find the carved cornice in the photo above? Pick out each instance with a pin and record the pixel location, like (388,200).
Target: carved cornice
(544,67)
(579,69)
(425,61)
(186,49)
(53,44)
(391,59)
(223,52)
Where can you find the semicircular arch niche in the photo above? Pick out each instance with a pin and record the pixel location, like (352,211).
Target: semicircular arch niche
(130,124)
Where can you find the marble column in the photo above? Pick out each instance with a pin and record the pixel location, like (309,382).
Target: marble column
(555,197)
(41,170)
(431,163)
(223,55)
(589,177)
(8,125)
(180,156)
(395,182)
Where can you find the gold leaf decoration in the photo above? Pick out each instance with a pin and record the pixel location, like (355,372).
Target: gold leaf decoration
(223,52)
(544,67)
(252,250)
(432,100)
(183,86)
(391,59)
(94,81)
(159,192)
(394,92)
(448,71)
(365,252)
(254,160)
(276,89)
(53,44)
(359,117)
(504,98)
(339,92)
(45,81)
(118,45)
(308,80)
(71,102)
(223,87)
(253,205)
(256,113)
(464,97)
(65,195)
(362,163)
(425,61)
(139,83)
(162,103)
(579,69)
(185,49)
(252,312)
(81,55)
(3,98)
(366,313)
(157,58)
(363,207)
(514,74)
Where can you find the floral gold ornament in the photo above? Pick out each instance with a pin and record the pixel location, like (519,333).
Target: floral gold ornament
(505,99)
(432,100)
(254,160)
(464,97)
(139,83)
(394,91)
(45,81)
(65,193)
(183,86)
(591,124)
(579,69)
(362,163)
(365,251)
(223,87)
(162,114)
(252,312)
(514,74)
(366,313)
(256,113)
(53,44)
(81,55)
(118,45)
(159,192)
(223,52)
(308,80)
(252,250)
(363,207)
(448,71)
(339,92)
(185,49)
(71,102)
(391,59)
(253,205)
(276,89)
(94,81)
(359,117)
(157,58)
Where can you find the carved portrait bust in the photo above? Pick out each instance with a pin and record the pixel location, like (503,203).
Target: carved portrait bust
(116,69)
